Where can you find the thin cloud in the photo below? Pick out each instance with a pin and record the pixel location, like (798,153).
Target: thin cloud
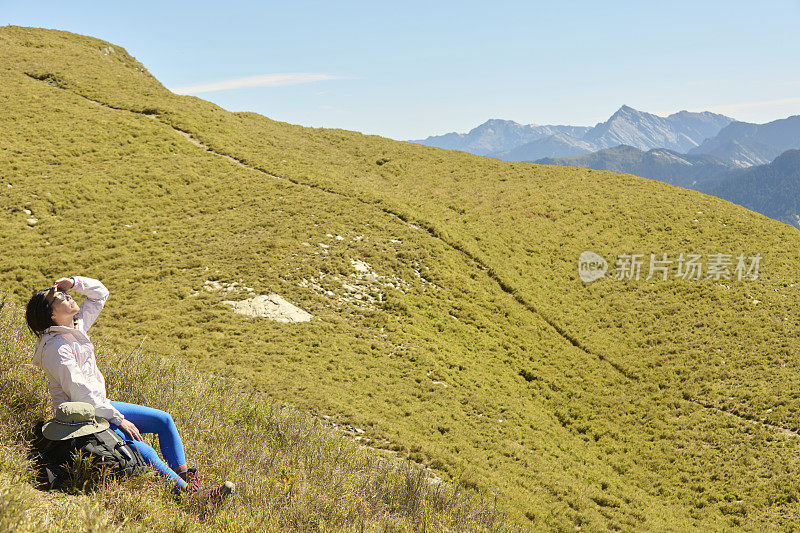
(263,80)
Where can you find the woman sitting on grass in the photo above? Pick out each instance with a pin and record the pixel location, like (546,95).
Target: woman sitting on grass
(66,354)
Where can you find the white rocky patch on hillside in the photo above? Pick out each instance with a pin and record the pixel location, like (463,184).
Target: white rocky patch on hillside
(271,306)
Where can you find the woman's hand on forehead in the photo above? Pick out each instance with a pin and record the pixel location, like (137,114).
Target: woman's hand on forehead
(64,284)
(61,284)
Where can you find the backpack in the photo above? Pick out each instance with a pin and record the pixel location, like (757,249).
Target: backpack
(54,458)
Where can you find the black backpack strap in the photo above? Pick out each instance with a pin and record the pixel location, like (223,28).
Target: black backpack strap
(112,441)
(130,459)
(131,452)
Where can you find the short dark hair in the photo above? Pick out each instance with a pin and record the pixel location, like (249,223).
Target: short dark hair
(39,313)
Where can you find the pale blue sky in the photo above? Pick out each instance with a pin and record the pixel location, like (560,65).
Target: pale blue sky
(411,69)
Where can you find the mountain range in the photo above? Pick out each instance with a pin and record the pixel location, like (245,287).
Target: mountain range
(735,144)
(498,135)
(743,144)
(507,140)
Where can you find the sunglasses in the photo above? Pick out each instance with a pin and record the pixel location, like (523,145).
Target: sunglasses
(61,295)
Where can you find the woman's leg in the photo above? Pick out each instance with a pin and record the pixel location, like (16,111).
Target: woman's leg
(150,420)
(152,458)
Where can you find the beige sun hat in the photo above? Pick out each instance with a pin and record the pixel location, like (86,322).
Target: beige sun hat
(73,419)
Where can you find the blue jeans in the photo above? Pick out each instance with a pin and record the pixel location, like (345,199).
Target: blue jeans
(149,420)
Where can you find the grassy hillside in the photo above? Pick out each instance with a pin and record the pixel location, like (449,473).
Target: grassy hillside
(292,472)
(471,346)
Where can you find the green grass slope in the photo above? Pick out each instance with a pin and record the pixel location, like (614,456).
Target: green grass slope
(473,348)
(292,472)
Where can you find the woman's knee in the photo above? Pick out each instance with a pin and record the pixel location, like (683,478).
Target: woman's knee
(167,418)
(163,417)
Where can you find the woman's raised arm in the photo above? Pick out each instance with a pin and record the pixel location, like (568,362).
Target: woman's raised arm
(96,295)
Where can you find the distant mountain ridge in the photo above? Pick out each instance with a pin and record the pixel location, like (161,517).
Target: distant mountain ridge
(732,143)
(744,144)
(680,131)
(497,135)
(563,145)
(507,140)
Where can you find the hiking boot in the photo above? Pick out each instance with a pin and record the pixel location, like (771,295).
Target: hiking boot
(217,494)
(192,480)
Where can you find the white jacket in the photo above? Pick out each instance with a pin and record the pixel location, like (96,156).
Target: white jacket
(67,355)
